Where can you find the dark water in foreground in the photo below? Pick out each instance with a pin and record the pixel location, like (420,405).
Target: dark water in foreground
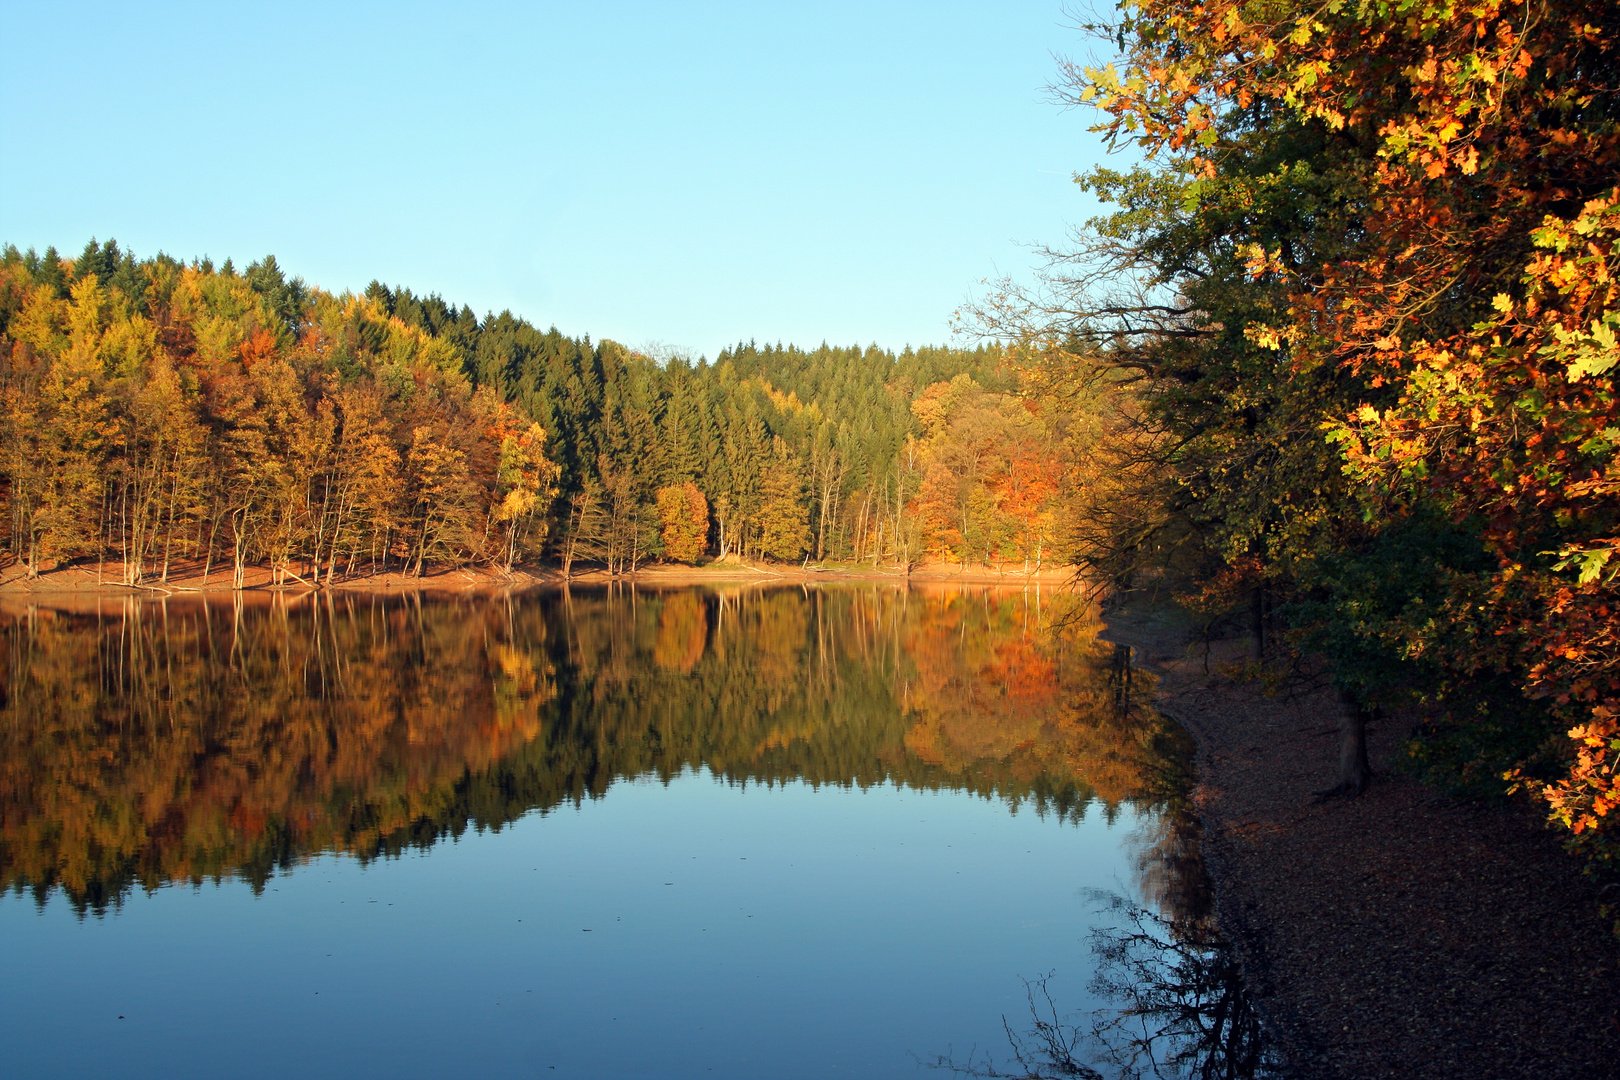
(782,833)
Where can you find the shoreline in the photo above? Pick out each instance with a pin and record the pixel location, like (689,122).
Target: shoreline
(1401,934)
(188,581)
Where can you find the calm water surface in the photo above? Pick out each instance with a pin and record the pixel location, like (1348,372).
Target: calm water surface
(757,833)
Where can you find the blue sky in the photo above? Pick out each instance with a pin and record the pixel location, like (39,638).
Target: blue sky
(689,175)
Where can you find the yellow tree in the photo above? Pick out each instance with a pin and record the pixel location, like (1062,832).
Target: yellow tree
(76,426)
(298,439)
(366,484)
(526,485)
(444,494)
(245,471)
(162,474)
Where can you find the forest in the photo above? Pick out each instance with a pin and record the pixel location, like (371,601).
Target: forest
(159,413)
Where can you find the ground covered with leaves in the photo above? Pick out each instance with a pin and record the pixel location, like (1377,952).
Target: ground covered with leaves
(1401,934)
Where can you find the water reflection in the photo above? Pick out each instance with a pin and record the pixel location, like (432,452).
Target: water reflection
(1179,1006)
(151,742)
(1181,1010)
(1182,1007)
(1121,675)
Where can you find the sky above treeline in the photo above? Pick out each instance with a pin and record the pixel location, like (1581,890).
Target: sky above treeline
(673,176)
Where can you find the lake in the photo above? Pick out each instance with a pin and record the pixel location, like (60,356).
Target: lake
(750,832)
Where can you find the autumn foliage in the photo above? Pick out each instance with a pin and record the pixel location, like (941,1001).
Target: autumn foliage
(683,518)
(1400,333)
(168,413)
(157,415)
(991,476)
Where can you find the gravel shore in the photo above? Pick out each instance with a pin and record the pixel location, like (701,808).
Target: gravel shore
(1402,934)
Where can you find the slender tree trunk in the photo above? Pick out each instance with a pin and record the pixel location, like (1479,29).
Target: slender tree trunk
(238,556)
(314,561)
(331,558)
(101,541)
(123,532)
(826,508)
(899,509)
(337,532)
(208,559)
(168,532)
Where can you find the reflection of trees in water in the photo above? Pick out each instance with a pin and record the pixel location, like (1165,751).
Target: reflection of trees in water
(1121,676)
(1180,1010)
(1170,874)
(1179,1004)
(142,743)
(145,742)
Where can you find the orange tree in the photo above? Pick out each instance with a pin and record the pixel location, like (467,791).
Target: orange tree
(683,517)
(1439,313)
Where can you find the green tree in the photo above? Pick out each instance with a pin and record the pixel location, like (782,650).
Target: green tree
(784,519)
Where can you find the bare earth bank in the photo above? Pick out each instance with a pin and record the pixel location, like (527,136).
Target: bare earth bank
(1401,934)
(188,578)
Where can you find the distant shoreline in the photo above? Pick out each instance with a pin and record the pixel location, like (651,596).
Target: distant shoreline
(187,579)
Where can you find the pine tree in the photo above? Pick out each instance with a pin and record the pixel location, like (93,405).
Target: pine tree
(784,519)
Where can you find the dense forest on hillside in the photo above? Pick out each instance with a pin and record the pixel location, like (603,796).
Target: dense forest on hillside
(1357,307)
(158,412)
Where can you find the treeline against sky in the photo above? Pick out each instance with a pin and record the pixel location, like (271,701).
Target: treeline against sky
(158,413)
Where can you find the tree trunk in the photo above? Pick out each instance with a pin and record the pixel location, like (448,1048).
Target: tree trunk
(168,535)
(123,535)
(1257,622)
(238,557)
(101,541)
(208,560)
(568,543)
(1354,772)
(858,545)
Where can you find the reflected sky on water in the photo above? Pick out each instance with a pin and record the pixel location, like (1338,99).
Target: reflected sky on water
(787,832)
